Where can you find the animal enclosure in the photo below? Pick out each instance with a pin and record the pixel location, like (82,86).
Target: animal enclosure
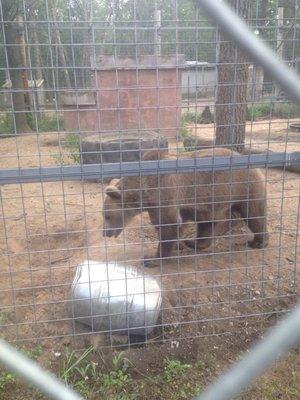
(209,208)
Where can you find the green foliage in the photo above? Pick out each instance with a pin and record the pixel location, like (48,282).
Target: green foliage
(174,369)
(7,125)
(33,353)
(118,377)
(266,110)
(72,153)
(187,391)
(6,380)
(259,110)
(272,389)
(115,379)
(2,319)
(41,124)
(79,371)
(200,365)
(281,382)
(191,117)
(45,123)
(177,380)
(73,364)
(286,110)
(194,117)
(72,141)
(184,131)
(262,110)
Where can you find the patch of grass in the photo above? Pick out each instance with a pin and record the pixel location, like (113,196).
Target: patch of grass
(32,353)
(191,117)
(72,153)
(59,159)
(71,141)
(184,131)
(268,109)
(173,379)
(6,381)
(115,379)
(75,364)
(7,125)
(273,389)
(174,369)
(200,365)
(118,378)
(280,382)
(286,110)
(189,148)
(79,371)
(188,390)
(194,117)
(260,110)
(2,319)
(43,123)
(209,361)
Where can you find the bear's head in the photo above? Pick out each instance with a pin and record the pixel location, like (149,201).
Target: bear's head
(116,213)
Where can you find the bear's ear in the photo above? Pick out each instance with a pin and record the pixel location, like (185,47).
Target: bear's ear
(113,192)
(114,182)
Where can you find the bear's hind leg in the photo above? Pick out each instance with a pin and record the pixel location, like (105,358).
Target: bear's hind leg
(254,213)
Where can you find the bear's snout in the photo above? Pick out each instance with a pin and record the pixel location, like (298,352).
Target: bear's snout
(108,232)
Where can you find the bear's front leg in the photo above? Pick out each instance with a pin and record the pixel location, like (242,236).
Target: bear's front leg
(168,235)
(167,221)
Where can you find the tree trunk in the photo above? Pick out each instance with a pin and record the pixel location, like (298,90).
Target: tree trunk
(87,48)
(37,56)
(23,58)
(14,55)
(231,102)
(61,51)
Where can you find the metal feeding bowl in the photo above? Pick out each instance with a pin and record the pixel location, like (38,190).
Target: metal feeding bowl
(295,126)
(116,298)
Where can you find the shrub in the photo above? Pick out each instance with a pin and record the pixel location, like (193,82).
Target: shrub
(268,110)
(287,110)
(7,125)
(190,117)
(43,123)
(260,110)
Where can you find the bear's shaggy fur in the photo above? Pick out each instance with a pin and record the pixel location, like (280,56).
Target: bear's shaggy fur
(207,198)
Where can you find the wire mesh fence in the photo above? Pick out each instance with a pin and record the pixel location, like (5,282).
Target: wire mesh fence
(131,133)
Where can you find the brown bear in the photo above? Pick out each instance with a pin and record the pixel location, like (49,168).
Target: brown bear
(207,198)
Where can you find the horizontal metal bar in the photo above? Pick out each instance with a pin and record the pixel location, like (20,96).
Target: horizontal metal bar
(144,168)
(241,34)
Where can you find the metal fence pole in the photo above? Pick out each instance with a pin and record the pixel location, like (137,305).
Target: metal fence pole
(241,34)
(281,338)
(33,373)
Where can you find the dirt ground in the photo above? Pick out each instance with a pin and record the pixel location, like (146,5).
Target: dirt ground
(229,289)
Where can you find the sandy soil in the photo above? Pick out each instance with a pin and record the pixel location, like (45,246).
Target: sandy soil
(47,229)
